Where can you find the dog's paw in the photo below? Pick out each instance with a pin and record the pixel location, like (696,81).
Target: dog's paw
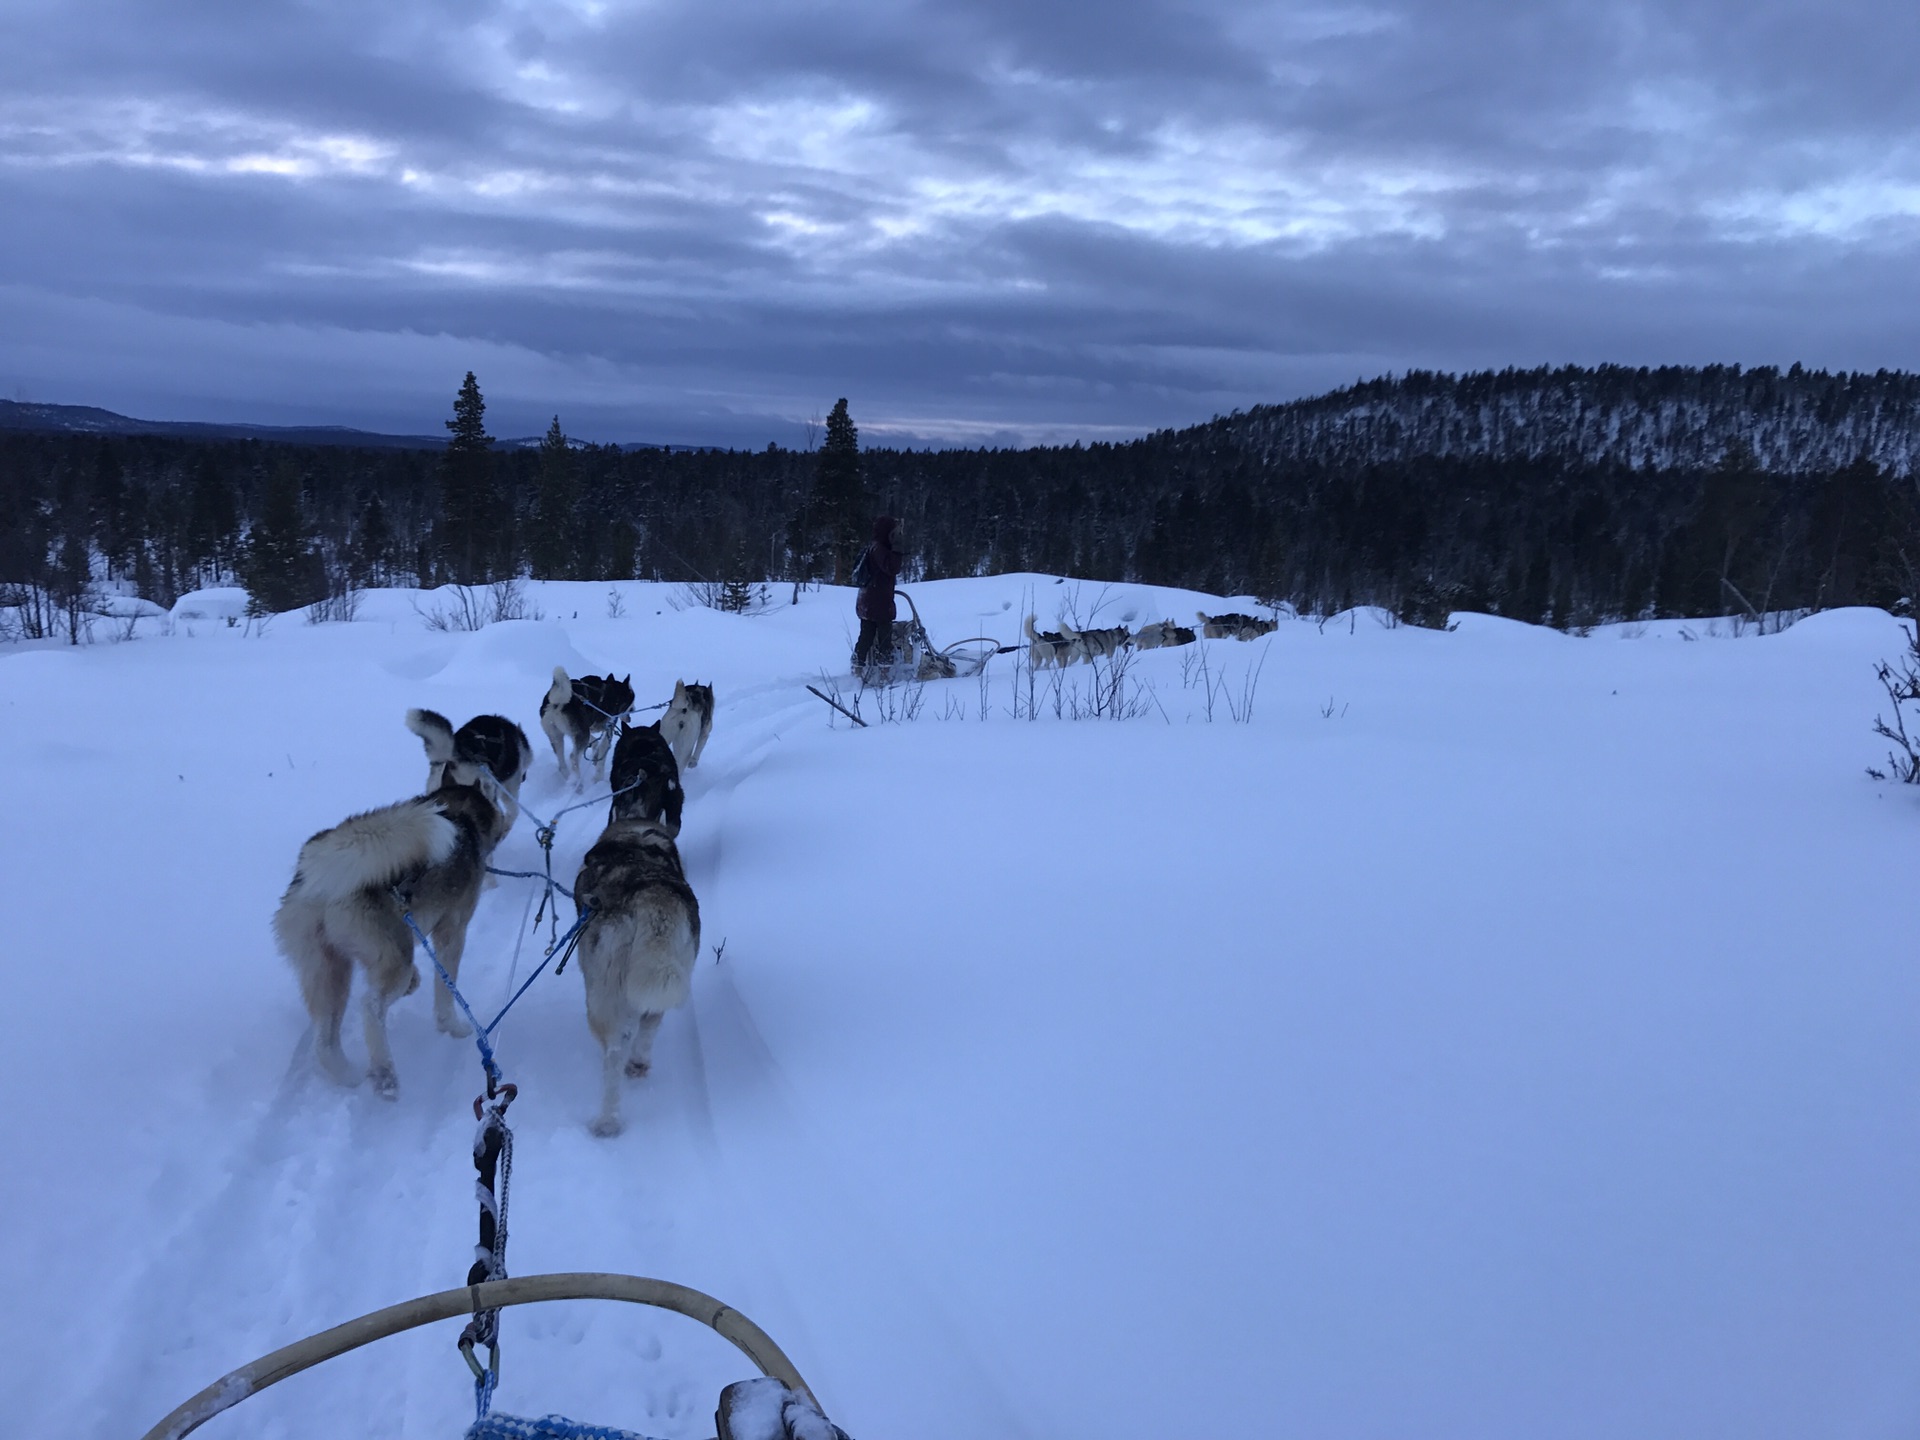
(385,1083)
(607,1126)
(452,1024)
(638,1069)
(341,1070)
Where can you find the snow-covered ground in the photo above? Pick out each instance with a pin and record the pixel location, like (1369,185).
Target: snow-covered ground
(1500,1034)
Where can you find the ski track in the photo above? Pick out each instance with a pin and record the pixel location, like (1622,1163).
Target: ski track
(323,1172)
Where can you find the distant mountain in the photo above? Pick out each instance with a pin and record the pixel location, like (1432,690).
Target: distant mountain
(1794,421)
(91,420)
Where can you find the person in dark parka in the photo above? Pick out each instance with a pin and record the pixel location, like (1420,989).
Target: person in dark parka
(874,604)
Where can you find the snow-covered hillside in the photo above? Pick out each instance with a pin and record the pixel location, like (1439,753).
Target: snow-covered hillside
(1498,1034)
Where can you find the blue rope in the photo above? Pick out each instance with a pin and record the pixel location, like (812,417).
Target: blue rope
(564,942)
(482,1032)
(532,875)
(487,1062)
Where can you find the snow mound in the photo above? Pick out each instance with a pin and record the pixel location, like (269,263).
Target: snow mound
(221,602)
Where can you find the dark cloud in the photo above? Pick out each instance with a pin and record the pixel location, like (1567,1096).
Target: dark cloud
(987,220)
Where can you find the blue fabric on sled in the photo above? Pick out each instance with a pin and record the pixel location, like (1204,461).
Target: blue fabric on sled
(497,1426)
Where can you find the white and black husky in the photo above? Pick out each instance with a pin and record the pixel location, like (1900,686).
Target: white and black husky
(346,908)
(688,722)
(1094,644)
(1047,647)
(587,712)
(639,946)
(491,742)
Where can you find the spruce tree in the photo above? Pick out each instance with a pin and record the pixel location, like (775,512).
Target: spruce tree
(278,564)
(465,529)
(839,498)
(372,552)
(212,520)
(550,540)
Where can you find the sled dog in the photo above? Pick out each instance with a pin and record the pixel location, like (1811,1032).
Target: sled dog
(1047,647)
(491,742)
(643,935)
(1094,644)
(687,723)
(1163,632)
(646,778)
(352,888)
(583,711)
(1235,627)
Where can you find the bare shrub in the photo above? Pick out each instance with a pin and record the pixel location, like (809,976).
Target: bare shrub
(1901,680)
(474,607)
(340,606)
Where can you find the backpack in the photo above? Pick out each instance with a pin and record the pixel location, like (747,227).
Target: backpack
(863,575)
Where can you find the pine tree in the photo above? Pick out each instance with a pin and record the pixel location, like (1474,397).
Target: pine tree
(623,548)
(467,504)
(278,564)
(839,498)
(550,540)
(372,552)
(212,520)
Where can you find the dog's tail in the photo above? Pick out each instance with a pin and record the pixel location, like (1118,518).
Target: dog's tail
(378,848)
(1033,632)
(1203,617)
(561,691)
(1067,632)
(435,732)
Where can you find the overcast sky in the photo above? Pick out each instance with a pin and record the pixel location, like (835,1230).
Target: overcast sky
(981,222)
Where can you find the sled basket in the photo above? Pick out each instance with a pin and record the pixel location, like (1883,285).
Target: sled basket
(777,1406)
(917,658)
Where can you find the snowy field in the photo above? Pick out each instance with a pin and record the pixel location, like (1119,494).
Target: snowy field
(1500,1034)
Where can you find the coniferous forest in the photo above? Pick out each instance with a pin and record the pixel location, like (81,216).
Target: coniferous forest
(1569,496)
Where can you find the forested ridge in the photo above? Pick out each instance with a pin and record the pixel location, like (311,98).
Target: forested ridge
(1570,496)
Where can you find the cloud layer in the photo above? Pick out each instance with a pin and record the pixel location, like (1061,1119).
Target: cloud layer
(982,222)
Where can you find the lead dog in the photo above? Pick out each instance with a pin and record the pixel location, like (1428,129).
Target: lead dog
(492,742)
(687,723)
(1235,627)
(1094,644)
(352,889)
(585,711)
(643,932)
(1047,647)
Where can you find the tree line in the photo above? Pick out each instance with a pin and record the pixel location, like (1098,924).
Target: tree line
(1568,497)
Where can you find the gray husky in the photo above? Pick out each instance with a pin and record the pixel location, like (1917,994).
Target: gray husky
(587,712)
(1047,647)
(1161,633)
(352,889)
(1235,627)
(1094,644)
(638,949)
(688,722)
(491,742)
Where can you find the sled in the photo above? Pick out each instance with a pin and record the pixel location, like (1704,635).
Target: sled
(917,658)
(776,1406)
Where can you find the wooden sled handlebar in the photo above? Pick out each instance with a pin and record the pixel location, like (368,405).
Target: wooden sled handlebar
(236,1385)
